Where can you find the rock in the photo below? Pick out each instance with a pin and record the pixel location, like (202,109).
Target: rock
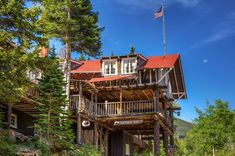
(12,136)
(20,137)
(28,152)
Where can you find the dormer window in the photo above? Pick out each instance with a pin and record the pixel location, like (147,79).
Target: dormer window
(129,65)
(110,67)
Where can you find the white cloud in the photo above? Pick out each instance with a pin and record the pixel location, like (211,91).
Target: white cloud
(153,4)
(223,30)
(187,3)
(219,35)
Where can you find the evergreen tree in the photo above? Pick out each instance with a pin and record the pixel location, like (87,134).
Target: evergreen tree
(89,58)
(112,54)
(52,52)
(81,57)
(53,121)
(132,51)
(72,21)
(18,34)
(75,24)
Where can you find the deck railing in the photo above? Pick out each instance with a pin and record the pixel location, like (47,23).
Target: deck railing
(85,106)
(125,108)
(113,108)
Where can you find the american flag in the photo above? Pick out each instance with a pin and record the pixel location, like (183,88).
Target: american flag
(159,13)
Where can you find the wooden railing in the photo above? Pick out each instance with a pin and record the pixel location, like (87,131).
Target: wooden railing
(85,106)
(125,108)
(114,108)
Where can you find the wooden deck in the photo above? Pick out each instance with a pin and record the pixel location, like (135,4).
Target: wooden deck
(112,109)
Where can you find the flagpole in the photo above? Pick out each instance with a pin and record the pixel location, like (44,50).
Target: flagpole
(164,30)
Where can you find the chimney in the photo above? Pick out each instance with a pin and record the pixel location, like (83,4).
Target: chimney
(43,52)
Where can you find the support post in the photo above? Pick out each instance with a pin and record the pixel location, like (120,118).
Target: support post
(95,109)
(106,142)
(172,144)
(80,97)
(140,77)
(156,100)
(165,141)
(121,111)
(101,139)
(92,104)
(79,130)
(96,136)
(156,138)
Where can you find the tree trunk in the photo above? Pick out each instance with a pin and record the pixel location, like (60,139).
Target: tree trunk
(67,59)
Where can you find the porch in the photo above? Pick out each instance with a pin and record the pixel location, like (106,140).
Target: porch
(119,109)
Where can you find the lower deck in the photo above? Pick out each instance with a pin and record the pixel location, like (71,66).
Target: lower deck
(140,129)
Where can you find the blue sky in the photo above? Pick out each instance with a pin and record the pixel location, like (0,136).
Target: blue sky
(201,31)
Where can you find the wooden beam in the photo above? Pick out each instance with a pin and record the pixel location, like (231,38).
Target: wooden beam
(80,96)
(165,141)
(79,130)
(96,136)
(147,138)
(156,100)
(121,109)
(176,82)
(140,77)
(106,142)
(156,139)
(172,141)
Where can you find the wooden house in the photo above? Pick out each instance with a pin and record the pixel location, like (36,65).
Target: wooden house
(119,102)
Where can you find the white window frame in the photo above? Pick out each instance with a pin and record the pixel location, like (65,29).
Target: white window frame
(134,70)
(15,125)
(107,61)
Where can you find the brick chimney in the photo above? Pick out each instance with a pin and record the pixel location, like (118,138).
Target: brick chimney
(43,52)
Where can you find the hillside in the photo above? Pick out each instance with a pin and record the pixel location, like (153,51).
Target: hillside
(182,127)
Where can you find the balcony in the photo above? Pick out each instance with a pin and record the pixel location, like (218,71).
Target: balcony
(125,108)
(111,109)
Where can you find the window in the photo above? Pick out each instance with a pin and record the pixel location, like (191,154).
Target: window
(34,75)
(110,67)
(13,121)
(128,66)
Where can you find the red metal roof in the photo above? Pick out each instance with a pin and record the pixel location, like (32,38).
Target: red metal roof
(166,61)
(88,66)
(109,78)
(152,62)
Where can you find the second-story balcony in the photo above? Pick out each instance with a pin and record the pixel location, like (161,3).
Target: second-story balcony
(112,109)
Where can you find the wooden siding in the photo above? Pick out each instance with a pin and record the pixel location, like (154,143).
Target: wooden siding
(24,122)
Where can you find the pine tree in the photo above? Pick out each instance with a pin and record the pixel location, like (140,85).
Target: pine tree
(72,21)
(18,34)
(81,57)
(75,24)
(53,121)
(112,54)
(132,51)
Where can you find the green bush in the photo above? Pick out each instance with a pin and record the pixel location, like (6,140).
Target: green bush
(86,150)
(6,147)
